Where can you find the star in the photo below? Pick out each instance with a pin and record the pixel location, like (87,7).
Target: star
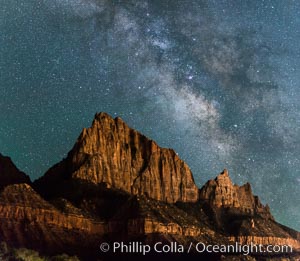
(205,79)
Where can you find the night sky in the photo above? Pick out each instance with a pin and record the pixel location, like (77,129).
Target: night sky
(218,81)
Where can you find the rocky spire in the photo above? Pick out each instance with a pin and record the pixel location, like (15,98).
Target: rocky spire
(221,192)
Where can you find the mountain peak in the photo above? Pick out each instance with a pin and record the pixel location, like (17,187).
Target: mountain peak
(224,172)
(101,115)
(224,178)
(112,153)
(10,174)
(117,185)
(104,118)
(222,193)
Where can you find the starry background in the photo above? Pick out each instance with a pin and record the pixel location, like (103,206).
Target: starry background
(218,81)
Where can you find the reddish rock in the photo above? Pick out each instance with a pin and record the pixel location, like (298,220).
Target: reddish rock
(27,220)
(21,202)
(112,153)
(118,185)
(221,192)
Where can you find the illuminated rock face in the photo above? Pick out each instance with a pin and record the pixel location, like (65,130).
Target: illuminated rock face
(222,193)
(115,185)
(111,153)
(20,202)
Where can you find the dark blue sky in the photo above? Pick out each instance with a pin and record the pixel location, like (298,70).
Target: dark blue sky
(218,81)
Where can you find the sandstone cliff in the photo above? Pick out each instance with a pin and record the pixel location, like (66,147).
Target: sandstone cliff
(21,202)
(118,185)
(222,193)
(113,154)
(29,221)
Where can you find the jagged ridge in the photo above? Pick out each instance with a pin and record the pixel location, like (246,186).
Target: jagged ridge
(116,184)
(221,192)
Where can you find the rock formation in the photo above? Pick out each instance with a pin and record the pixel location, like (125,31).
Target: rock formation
(222,193)
(10,174)
(20,201)
(111,153)
(118,185)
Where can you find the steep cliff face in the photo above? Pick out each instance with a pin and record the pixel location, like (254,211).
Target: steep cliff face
(238,213)
(111,153)
(222,193)
(117,185)
(10,174)
(29,221)
(21,202)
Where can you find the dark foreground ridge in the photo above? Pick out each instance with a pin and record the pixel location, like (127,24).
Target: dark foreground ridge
(10,174)
(116,185)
